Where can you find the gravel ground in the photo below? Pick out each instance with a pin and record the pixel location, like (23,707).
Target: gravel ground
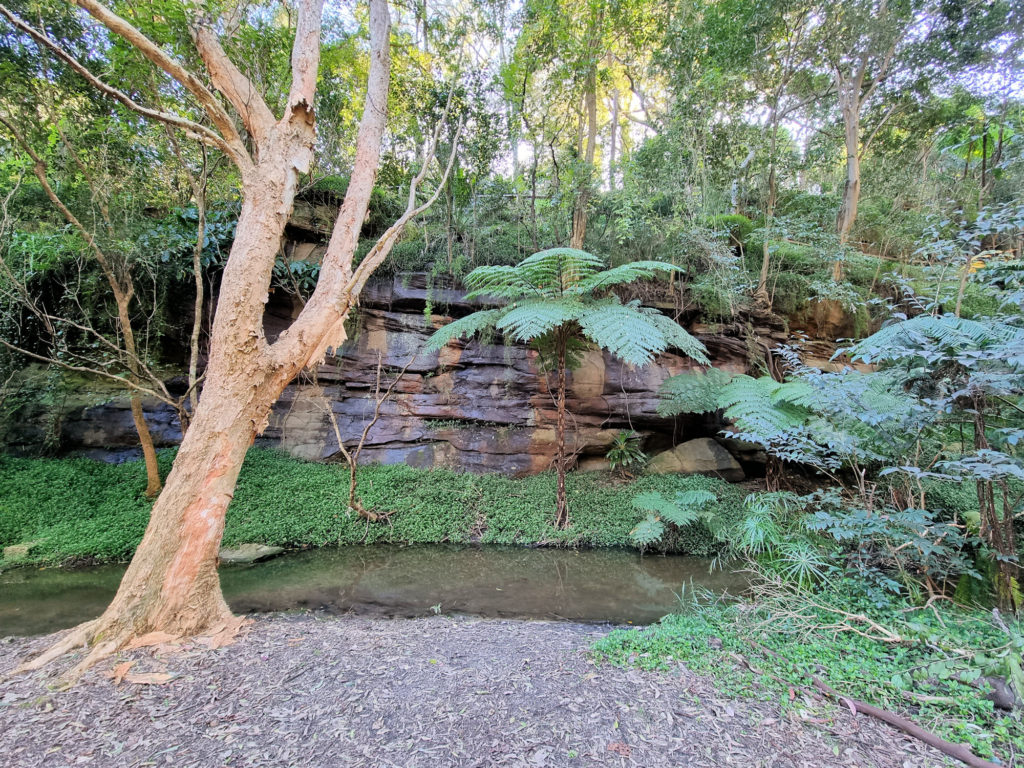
(308,690)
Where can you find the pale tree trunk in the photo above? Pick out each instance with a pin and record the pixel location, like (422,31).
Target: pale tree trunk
(579,213)
(148,449)
(761,294)
(614,136)
(850,104)
(171,587)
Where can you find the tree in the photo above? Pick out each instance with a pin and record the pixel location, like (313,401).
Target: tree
(558,301)
(865,43)
(171,586)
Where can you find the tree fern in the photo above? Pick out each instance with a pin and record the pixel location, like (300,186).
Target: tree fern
(899,339)
(551,302)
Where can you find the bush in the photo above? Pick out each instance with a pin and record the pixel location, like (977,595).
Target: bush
(738,226)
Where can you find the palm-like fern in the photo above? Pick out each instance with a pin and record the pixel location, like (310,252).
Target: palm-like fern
(688,507)
(557,296)
(899,340)
(812,418)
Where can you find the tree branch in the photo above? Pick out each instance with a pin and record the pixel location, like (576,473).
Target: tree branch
(235,147)
(306,56)
(236,87)
(307,336)
(199,132)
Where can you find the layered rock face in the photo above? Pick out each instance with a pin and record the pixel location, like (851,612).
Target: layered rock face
(482,407)
(473,406)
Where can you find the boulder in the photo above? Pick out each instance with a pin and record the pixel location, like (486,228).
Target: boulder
(249,553)
(703,456)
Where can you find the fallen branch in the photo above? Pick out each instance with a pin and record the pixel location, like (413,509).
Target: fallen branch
(957,751)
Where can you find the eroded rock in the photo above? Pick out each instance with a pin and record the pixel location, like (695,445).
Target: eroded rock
(249,553)
(703,456)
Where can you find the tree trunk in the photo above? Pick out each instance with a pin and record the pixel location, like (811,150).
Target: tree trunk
(762,281)
(562,513)
(850,104)
(148,449)
(171,587)
(613,147)
(579,213)
(997,530)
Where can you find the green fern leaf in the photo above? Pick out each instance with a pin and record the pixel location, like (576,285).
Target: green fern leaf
(647,531)
(469,325)
(692,392)
(532,319)
(627,273)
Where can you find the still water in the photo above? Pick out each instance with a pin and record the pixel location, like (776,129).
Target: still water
(509,582)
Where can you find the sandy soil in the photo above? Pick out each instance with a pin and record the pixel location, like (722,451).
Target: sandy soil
(309,690)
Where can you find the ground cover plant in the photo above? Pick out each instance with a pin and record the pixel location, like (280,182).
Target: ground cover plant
(84,510)
(935,665)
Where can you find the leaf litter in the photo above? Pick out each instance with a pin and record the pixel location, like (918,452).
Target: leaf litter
(310,690)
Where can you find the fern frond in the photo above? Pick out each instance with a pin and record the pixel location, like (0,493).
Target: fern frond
(464,326)
(532,319)
(498,282)
(676,337)
(652,501)
(898,340)
(558,269)
(626,273)
(695,499)
(686,508)
(647,531)
(692,392)
(635,333)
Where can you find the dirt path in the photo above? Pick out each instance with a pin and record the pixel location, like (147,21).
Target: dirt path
(303,690)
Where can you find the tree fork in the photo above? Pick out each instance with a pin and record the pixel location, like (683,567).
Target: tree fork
(171,585)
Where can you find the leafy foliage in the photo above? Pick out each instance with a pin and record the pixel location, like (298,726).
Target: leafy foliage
(84,510)
(933,674)
(556,288)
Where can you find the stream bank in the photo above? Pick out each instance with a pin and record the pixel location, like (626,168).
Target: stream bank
(421,693)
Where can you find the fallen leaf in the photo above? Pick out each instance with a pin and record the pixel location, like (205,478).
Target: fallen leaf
(118,672)
(620,748)
(149,678)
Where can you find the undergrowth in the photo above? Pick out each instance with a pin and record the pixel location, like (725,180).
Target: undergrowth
(84,510)
(926,676)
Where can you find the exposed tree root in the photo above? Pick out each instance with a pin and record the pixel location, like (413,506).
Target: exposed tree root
(103,639)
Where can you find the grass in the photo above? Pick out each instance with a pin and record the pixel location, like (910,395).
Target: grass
(84,510)
(925,677)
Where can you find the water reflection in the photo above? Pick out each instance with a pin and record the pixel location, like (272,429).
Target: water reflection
(511,582)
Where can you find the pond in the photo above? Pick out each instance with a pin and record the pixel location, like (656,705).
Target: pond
(508,582)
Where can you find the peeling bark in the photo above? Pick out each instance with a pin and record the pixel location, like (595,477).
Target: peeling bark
(172,585)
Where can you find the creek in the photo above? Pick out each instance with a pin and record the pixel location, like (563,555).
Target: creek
(598,585)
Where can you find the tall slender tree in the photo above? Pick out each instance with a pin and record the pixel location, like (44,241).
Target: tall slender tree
(171,586)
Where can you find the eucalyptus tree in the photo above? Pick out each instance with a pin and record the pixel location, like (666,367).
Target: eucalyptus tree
(558,301)
(578,74)
(878,47)
(171,587)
